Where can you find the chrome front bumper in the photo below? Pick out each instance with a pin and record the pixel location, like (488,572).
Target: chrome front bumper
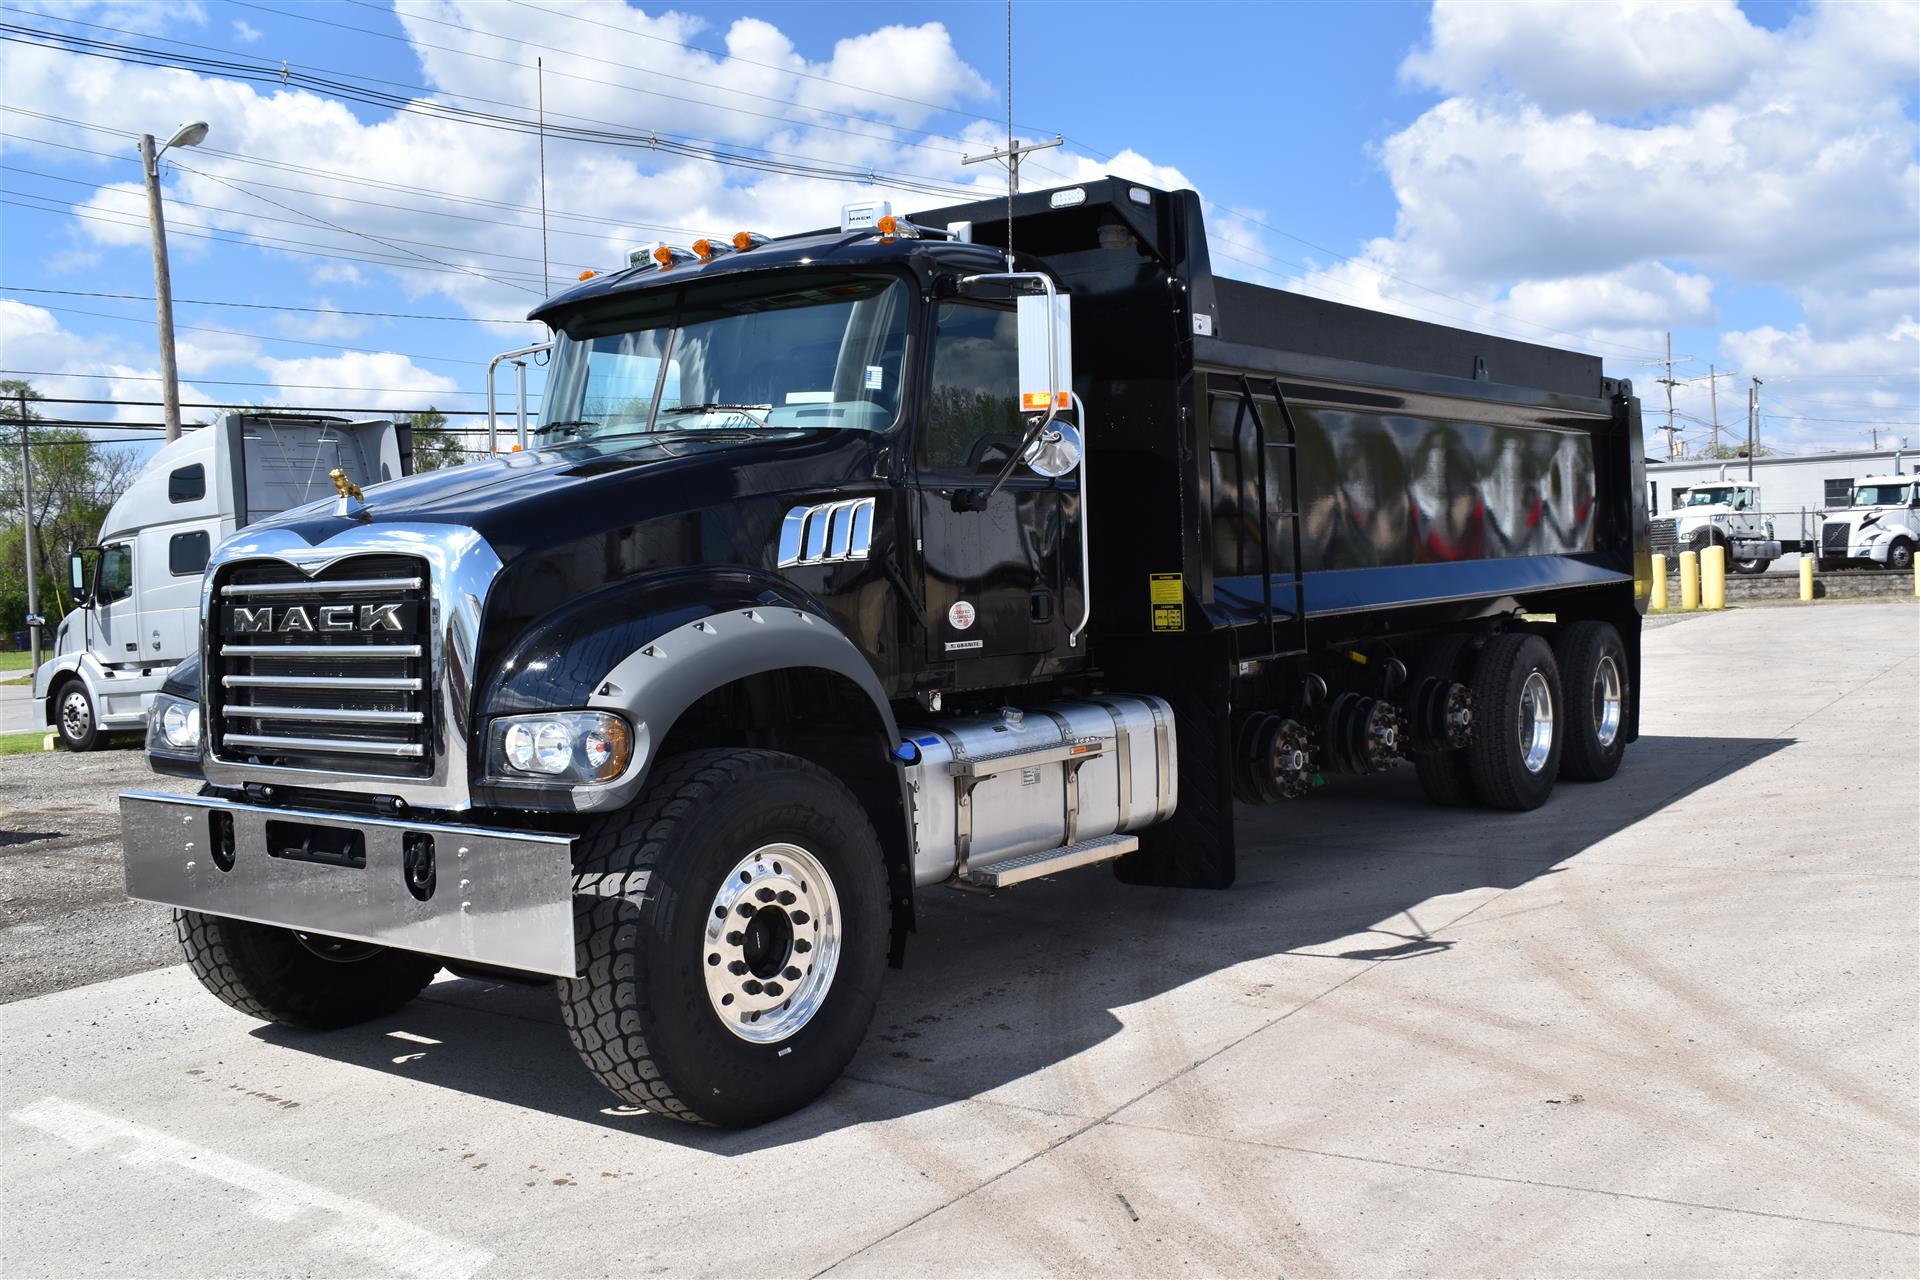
(501,898)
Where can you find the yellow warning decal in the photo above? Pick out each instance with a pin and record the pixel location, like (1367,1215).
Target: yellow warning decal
(1167,593)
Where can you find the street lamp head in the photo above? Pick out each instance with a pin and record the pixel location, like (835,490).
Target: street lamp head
(188,135)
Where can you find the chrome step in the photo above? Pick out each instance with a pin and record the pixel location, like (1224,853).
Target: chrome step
(1031,866)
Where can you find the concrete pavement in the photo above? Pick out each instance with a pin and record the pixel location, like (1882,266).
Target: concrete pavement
(1664,1026)
(20,712)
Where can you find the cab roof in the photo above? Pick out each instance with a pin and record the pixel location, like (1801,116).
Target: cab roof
(810,251)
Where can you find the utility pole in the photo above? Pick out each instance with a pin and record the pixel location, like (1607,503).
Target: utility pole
(26,524)
(1753,423)
(1011,153)
(1713,398)
(187,135)
(1670,382)
(162,288)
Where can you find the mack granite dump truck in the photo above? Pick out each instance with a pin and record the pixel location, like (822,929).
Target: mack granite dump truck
(843,567)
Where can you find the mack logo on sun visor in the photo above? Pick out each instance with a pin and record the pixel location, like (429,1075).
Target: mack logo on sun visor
(307,619)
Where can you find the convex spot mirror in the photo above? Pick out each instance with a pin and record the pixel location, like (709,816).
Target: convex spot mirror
(1056,452)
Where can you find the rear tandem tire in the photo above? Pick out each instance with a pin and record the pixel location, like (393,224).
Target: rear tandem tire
(1444,776)
(271,974)
(1593,672)
(1516,694)
(649,883)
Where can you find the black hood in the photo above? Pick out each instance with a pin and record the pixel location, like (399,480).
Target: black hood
(528,502)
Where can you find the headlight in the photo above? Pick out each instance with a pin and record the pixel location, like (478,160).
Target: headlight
(574,746)
(173,728)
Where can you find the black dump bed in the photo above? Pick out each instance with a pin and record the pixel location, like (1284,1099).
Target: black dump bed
(1239,434)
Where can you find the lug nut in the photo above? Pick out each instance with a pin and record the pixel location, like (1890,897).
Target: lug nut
(737,968)
(791,974)
(751,986)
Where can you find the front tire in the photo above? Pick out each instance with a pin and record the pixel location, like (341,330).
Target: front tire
(298,980)
(1900,556)
(74,716)
(1593,671)
(1517,730)
(732,929)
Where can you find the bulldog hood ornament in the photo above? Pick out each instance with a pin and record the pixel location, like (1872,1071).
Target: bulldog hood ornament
(352,501)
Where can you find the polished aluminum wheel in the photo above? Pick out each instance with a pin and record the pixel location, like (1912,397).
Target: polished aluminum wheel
(76,715)
(1608,699)
(772,943)
(1536,721)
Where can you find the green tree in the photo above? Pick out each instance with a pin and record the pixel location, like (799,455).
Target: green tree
(433,445)
(1732,452)
(75,481)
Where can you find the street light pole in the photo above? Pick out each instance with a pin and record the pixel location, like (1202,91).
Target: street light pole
(186,136)
(26,525)
(162,287)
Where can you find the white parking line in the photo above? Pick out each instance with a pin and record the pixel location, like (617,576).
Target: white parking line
(391,1244)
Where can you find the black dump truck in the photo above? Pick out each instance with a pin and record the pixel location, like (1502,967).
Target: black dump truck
(844,566)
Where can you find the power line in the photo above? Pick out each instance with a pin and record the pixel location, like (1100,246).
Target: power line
(335,176)
(303,221)
(617,136)
(770,66)
(243,382)
(241,333)
(258,306)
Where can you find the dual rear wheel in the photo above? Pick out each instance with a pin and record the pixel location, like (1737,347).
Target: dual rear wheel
(1541,711)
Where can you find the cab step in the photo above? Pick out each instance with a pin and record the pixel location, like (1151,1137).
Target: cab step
(1031,866)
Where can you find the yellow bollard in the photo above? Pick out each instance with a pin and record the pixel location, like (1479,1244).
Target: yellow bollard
(1713,578)
(1916,577)
(1659,582)
(1689,580)
(1806,578)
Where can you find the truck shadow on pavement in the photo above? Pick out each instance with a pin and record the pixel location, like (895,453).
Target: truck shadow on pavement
(997,989)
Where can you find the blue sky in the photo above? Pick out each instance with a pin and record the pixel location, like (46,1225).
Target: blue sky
(1587,176)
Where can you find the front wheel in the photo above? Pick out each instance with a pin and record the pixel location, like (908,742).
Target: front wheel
(1900,557)
(74,717)
(298,979)
(1514,757)
(732,930)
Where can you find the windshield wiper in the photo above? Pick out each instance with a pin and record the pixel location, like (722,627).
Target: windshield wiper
(569,425)
(716,407)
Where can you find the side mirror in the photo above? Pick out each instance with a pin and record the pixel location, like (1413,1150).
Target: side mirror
(1056,452)
(77,578)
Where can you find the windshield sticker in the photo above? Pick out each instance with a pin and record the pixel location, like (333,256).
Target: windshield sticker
(961,615)
(876,377)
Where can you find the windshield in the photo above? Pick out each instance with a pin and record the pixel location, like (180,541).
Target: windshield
(734,355)
(1707,497)
(1880,495)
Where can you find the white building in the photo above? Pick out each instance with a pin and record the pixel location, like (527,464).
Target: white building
(1794,489)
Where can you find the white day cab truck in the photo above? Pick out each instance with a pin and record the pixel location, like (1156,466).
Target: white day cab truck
(1879,529)
(137,592)
(1720,513)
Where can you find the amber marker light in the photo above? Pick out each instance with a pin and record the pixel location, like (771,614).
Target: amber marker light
(663,254)
(703,248)
(588,275)
(888,226)
(745,240)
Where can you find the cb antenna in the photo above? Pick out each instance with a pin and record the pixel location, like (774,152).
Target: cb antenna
(1013,151)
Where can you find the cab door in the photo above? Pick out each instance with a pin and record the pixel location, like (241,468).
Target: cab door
(1000,582)
(114,636)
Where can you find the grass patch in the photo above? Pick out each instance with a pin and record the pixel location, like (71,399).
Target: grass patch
(16,661)
(21,744)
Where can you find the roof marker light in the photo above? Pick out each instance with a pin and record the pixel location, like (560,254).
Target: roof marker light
(704,248)
(745,240)
(588,275)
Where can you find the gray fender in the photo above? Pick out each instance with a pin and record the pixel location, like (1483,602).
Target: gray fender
(53,670)
(654,685)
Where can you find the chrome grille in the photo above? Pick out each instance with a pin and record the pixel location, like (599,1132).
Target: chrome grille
(332,671)
(1833,539)
(1664,535)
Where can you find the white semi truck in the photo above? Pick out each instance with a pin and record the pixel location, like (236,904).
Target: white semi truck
(1879,529)
(1720,513)
(137,593)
